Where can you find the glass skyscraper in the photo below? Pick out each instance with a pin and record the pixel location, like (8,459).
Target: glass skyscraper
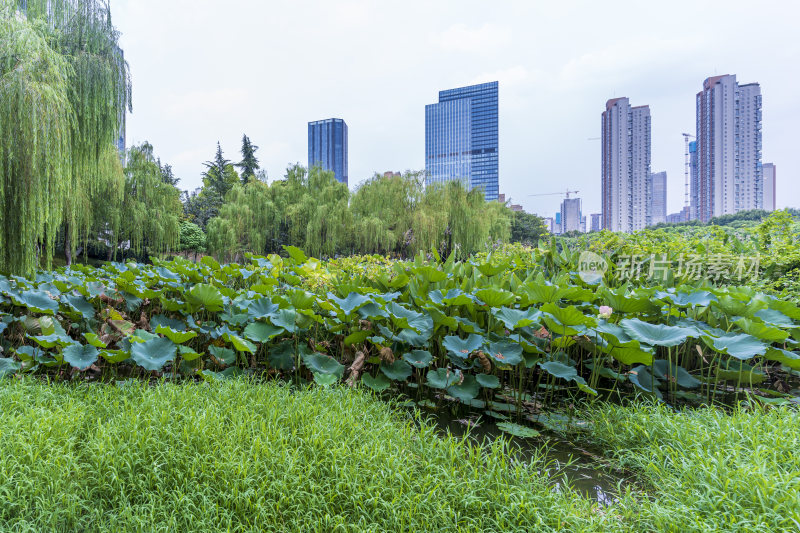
(461,138)
(327,146)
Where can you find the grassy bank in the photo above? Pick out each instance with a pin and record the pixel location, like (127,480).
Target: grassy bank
(709,470)
(235,456)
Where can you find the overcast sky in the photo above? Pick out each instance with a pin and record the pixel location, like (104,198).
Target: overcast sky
(207,71)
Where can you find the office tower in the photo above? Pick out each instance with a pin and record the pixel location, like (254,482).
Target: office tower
(658,205)
(327,146)
(769,186)
(626,191)
(461,138)
(728,147)
(571,215)
(597,222)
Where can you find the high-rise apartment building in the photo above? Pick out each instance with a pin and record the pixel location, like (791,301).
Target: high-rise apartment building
(571,215)
(327,146)
(658,204)
(694,183)
(770,173)
(626,186)
(728,147)
(461,138)
(597,222)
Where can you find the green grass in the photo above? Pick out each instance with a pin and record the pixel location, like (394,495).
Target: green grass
(237,456)
(708,469)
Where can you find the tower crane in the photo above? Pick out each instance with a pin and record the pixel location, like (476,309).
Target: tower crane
(686,137)
(556,193)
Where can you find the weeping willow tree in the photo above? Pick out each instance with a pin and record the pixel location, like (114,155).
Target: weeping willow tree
(151,208)
(64,89)
(450,218)
(383,210)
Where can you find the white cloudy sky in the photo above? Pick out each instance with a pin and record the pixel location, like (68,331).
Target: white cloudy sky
(208,70)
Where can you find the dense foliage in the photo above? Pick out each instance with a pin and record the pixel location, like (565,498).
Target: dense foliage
(64,88)
(505,328)
(390,215)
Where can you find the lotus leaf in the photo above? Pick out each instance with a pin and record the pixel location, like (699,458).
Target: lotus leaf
(80,357)
(153,354)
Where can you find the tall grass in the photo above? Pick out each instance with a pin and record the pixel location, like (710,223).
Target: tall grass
(708,469)
(238,456)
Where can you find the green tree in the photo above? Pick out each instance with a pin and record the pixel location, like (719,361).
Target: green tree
(151,209)
(192,238)
(64,89)
(249,164)
(527,228)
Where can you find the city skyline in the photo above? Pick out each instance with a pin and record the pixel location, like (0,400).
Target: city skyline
(551,79)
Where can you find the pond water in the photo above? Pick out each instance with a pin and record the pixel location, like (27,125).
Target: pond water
(577,465)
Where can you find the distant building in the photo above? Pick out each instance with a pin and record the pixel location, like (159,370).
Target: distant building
(515,207)
(327,146)
(769,186)
(626,190)
(658,204)
(596,222)
(681,216)
(558,226)
(694,194)
(583,224)
(728,147)
(461,138)
(550,224)
(571,215)
(390,174)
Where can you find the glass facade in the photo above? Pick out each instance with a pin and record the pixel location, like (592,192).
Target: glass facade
(461,138)
(327,146)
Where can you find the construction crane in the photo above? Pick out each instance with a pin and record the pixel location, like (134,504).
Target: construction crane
(556,193)
(686,136)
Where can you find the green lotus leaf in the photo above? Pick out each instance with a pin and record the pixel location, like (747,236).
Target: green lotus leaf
(740,372)
(94,340)
(325,380)
(495,297)
(462,348)
(418,358)
(656,334)
(153,354)
(187,354)
(761,330)
(226,356)
(430,274)
(397,371)
(490,270)
(79,304)
(379,383)
(210,262)
(115,356)
(80,357)
(568,316)
(178,337)
(262,308)
(630,355)
(296,254)
(242,345)
(663,370)
(776,318)
(466,390)
(281,356)
(786,308)
(643,379)
(286,319)
(488,381)
(357,337)
(51,341)
(505,352)
(323,364)
(740,346)
(517,318)
(161,320)
(408,319)
(352,303)
(205,296)
(622,303)
(9,367)
(261,332)
(517,430)
(785,357)
(38,301)
(441,378)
